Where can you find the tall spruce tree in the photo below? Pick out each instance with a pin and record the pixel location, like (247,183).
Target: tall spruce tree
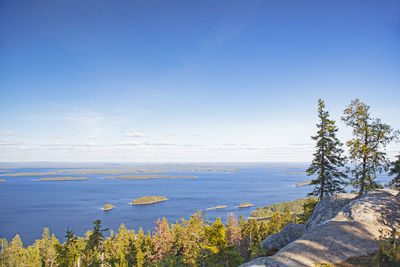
(366,148)
(328,159)
(395,170)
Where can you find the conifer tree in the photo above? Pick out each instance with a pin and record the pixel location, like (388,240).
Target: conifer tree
(233,235)
(366,148)
(395,170)
(162,239)
(328,159)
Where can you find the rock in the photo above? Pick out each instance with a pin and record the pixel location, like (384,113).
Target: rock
(288,234)
(351,232)
(327,208)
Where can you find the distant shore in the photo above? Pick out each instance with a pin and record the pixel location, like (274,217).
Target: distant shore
(148,176)
(29,174)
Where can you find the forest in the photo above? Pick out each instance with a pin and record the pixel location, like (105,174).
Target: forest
(200,242)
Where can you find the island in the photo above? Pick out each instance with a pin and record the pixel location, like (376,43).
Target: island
(64,179)
(304,183)
(29,174)
(148,200)
(216,207)
(148,176)
(2,180)
(107,171)
(107,207)
(245,205)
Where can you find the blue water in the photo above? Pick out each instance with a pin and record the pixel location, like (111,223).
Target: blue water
(27,205)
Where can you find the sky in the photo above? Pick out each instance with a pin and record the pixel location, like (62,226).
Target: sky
(190,81)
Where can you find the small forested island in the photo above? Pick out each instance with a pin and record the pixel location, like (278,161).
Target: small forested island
(148,200)
(148,176)
(245,205)
(64,179)
(29,174)
(107,207)
(216,207)
(5,171)
(2,180)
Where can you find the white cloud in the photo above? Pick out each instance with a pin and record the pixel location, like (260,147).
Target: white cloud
(6,133)
(129,143)
(135,134)
(6,143)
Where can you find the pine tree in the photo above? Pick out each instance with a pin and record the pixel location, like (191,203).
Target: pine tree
(162,239)
(395,170)
(328,159)
(366,148)
(233,234)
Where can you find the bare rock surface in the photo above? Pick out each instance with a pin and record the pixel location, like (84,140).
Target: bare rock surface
(288,234)
(351,231)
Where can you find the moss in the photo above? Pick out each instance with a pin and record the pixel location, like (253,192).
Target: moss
(148,200)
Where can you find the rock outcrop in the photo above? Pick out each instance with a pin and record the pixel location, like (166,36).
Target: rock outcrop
(287,235)
(340,228)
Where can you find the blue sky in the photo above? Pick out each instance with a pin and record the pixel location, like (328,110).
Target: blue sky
(189,80)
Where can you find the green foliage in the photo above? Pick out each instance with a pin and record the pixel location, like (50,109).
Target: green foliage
(328,160)
(308,208)
(295,206)
(395,170)
(389,251)
(366,148)
(192,242)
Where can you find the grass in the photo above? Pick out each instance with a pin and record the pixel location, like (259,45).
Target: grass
(64,179)
(29,174)
(245,205)
(296,207)
(148,200)
(149,176)
(107,207)
(216,207)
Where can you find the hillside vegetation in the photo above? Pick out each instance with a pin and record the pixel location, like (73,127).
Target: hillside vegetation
(295,206)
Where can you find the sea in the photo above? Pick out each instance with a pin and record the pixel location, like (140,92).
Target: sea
(29,205)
